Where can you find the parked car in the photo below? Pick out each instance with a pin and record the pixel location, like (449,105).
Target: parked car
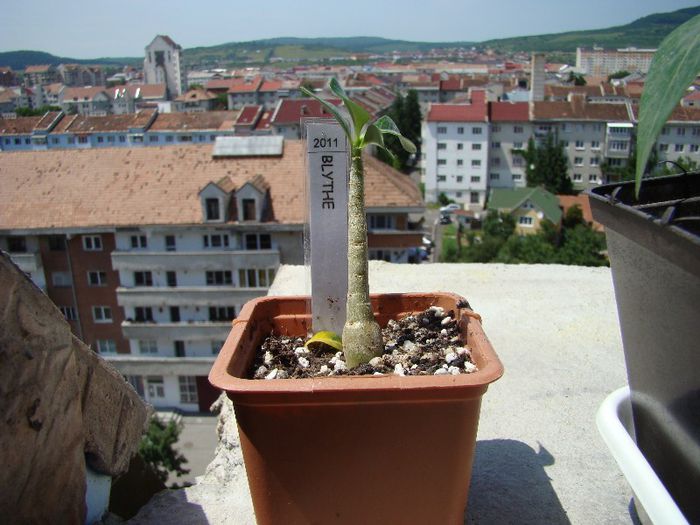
(445,219)
(450,208)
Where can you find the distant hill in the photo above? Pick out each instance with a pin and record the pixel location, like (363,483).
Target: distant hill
(643,32)
(646,32)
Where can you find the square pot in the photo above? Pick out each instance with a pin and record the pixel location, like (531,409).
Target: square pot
(362,449)
(654,251)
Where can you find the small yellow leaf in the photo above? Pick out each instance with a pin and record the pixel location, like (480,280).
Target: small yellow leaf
(326,338)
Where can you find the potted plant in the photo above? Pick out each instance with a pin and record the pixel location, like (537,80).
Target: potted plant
(361,449)
(652,229)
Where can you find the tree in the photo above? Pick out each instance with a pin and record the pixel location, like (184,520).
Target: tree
(618,74)
(573,217)
(157,450)
(577,79)
(582,246)
(499,225)
(37,112)
(528,249)
(444,200)
(682,164)
(546,165)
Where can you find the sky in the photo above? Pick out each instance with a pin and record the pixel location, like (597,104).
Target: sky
(97,28)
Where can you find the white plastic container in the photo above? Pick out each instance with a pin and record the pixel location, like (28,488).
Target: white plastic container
(653,502)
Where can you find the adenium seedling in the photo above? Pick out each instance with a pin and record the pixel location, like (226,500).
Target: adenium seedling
(362,337)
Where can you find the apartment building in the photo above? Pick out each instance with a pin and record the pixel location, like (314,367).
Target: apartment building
(86,101)
(75,75)
(680,137)
(195,101)
(602,62)
(163,65)
(40,75)
(455,146)
(151,252)
(510,130)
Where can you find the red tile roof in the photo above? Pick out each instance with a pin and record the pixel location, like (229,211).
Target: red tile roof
(37,69)
(509,112)
(569,201)
(244,86)
(457,113)
(206,120)
(248,115)
(19,125)
(196,95)
(679,113)
(578,109)
(290,111)
(82,93)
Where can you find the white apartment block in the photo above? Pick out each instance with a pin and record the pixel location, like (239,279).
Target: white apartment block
(455,140)
(162,65)
(602,62)
(510,130)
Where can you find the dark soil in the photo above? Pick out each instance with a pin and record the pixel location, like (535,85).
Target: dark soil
(423,344)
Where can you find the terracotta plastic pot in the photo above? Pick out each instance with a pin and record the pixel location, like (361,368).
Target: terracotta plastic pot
(351,450)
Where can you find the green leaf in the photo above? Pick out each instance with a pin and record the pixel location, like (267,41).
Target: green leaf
(675,65)
(332,109)
(360,116)
(373,136)
(386,125)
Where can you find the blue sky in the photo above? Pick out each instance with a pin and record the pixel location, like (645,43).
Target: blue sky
(91,29)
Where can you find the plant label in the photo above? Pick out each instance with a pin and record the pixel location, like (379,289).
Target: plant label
(327,162)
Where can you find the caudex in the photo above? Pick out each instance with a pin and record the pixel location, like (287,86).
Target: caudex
(362,337)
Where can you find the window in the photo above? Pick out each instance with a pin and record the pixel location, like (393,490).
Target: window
(148,346)
(174,314)
(249,209)
(474,197)
(255,241)
(168,138)
(82,139)
(517,145)
(615,162)
(442,145)
(595,161)
(476,146)
(476,131)
(518,161)
(517,176)
(153,138)
(216,240)
(578,161)
(122,138)
(381,222)
(106,346)
(110,138)
(143,314)
(97,278)
(442,129)
(458,194)
(441,162)
(102,314)
(188,389)
(441,178)
(496,128)
(593,177)
(156,390)
(495,144)
(216,346)
(219,277)
(222,313)
(143,279)
(139,241)
(663,147)
(618,145)
(517,129)
(170,243)
(256,278)
(16,244)
(92,243)
(564,143)
(476,178)
(595,144)
(565,128)
(678,147)
(460,178)
(496,161)
(100,139)
(494,176)
(186,138)
(694,148)
(579,144)
(460,146)
(577,177)
(476,163)
(680,132)
(57,243)
(179,347)
(61,279)
(212,209)
(171,278)
(525,221)
(68,312)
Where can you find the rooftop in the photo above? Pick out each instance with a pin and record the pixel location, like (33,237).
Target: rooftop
(457,113)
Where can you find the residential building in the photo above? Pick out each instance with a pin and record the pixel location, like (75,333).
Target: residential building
(195,101)
(133,97)
(151,252)
(679,139)
(243,92)
(602,62)
(163,65)
(7,77)
(528,206)
(510,131)
(287,116)
(76,75)
(40,75)
(86,101)
(455,148)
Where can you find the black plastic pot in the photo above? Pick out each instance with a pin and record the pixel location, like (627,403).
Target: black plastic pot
(654,249)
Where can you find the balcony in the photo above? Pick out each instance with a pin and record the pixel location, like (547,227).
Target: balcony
(27,262)
(128,364)
(186,295)
(192,331)
(195,261)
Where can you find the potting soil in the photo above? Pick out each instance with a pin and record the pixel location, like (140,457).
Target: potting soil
(427,343)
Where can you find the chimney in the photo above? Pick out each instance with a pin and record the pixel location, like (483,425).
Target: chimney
(537,77)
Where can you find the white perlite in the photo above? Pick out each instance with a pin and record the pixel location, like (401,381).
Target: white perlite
(268,358)
(339,366)
(446,321)
(399,370)
(303,362)
(301,350)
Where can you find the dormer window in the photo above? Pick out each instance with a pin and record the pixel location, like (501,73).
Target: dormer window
(213,209)
(249,210)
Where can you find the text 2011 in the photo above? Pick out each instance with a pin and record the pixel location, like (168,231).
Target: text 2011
(326,142)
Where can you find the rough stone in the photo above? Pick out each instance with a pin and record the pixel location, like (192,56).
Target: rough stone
(59,402)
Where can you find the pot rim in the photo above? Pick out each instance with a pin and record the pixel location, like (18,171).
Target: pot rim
(226,376)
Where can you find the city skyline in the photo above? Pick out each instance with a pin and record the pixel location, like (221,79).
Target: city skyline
(125,32)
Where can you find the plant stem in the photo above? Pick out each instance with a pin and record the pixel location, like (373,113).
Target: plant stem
(362,338)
